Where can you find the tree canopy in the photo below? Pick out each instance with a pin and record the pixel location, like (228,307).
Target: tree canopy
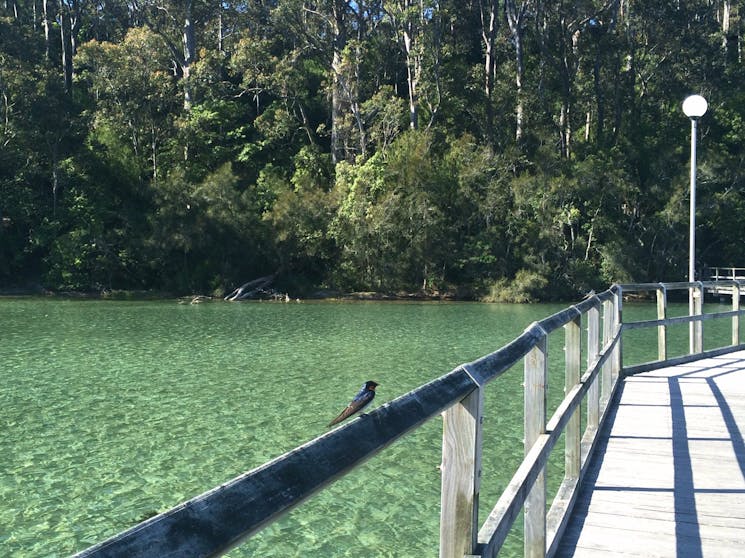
(512,149)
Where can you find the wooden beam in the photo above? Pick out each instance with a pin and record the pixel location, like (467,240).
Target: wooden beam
(573,351)
(536,384)
(662,328)
(593,350)
(698,329)
(461,475)
(736,317)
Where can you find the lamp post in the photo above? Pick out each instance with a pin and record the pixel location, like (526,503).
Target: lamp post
(694,108)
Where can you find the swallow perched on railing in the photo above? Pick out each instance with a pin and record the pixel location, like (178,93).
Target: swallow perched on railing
(360,401)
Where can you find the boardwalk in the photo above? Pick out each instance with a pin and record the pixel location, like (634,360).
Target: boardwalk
(669,475)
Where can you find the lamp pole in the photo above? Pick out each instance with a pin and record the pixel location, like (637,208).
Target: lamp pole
(694,108)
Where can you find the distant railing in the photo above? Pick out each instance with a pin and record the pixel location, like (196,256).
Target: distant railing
(726,273)
(720,279)
(218,520)
(731,287)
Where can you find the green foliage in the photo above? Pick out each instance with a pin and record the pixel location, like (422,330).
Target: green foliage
(368,149)
(527,286)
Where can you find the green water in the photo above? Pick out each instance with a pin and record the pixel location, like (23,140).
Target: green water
(112,411)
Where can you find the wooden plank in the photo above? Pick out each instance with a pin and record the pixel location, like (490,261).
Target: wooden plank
(608,333)
(536,385)
(736,317)
(697,330)
(662,328)
(495,529)
(461,475)
(593,349)
(573,351)
(688,498)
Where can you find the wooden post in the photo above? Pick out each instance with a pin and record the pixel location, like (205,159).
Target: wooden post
(593,348)
(661,329)
(461,475)
(617,321)
(536,383)
(736,318)
(698,305)
(573,348)
(608,321)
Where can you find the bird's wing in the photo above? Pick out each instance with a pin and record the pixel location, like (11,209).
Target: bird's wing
(359,402)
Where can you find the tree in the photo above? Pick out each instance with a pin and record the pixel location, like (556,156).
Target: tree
(416,25)
(135,95)
(517,13)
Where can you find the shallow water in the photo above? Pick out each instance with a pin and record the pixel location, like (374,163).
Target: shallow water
(113,411)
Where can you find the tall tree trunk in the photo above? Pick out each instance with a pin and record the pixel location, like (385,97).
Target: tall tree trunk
(408,17)
(339,43)
(599,97)
(516,20)
(219,30)
(413,70)
(12,5)
(730,21)
(66,47)
(45,15)
(189,45)
(488,11)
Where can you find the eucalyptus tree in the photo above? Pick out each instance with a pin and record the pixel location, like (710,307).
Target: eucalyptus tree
(489,15)
(176,22)
(339,33)
(517,13)
(417,27)
(135,97)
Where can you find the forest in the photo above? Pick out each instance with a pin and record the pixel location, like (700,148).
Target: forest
(508,150)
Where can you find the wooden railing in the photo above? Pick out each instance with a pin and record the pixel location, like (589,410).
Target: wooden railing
(211,524)
(720,280)
(733,288)
(726,273)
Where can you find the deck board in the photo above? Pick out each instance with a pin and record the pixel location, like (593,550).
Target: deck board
(668,476)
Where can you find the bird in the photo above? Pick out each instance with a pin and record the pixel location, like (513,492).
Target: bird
(360,401)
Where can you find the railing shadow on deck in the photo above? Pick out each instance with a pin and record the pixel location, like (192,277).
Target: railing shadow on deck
(688,538)
(218,520)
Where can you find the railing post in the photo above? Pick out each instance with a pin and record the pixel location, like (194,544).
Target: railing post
(608,321)
(696,329)
(618,321)
(593,348)
(461,475)
(661,329)
(573,348)
(536,383)
(736,317)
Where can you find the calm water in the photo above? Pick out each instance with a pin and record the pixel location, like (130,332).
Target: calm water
(112,411)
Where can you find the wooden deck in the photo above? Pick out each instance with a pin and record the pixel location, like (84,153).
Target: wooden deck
(668,478)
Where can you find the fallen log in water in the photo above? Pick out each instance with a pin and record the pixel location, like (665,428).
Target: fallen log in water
(248,290)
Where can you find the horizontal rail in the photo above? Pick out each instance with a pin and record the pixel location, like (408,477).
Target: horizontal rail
(679,286)
(681,320)
(718,273)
